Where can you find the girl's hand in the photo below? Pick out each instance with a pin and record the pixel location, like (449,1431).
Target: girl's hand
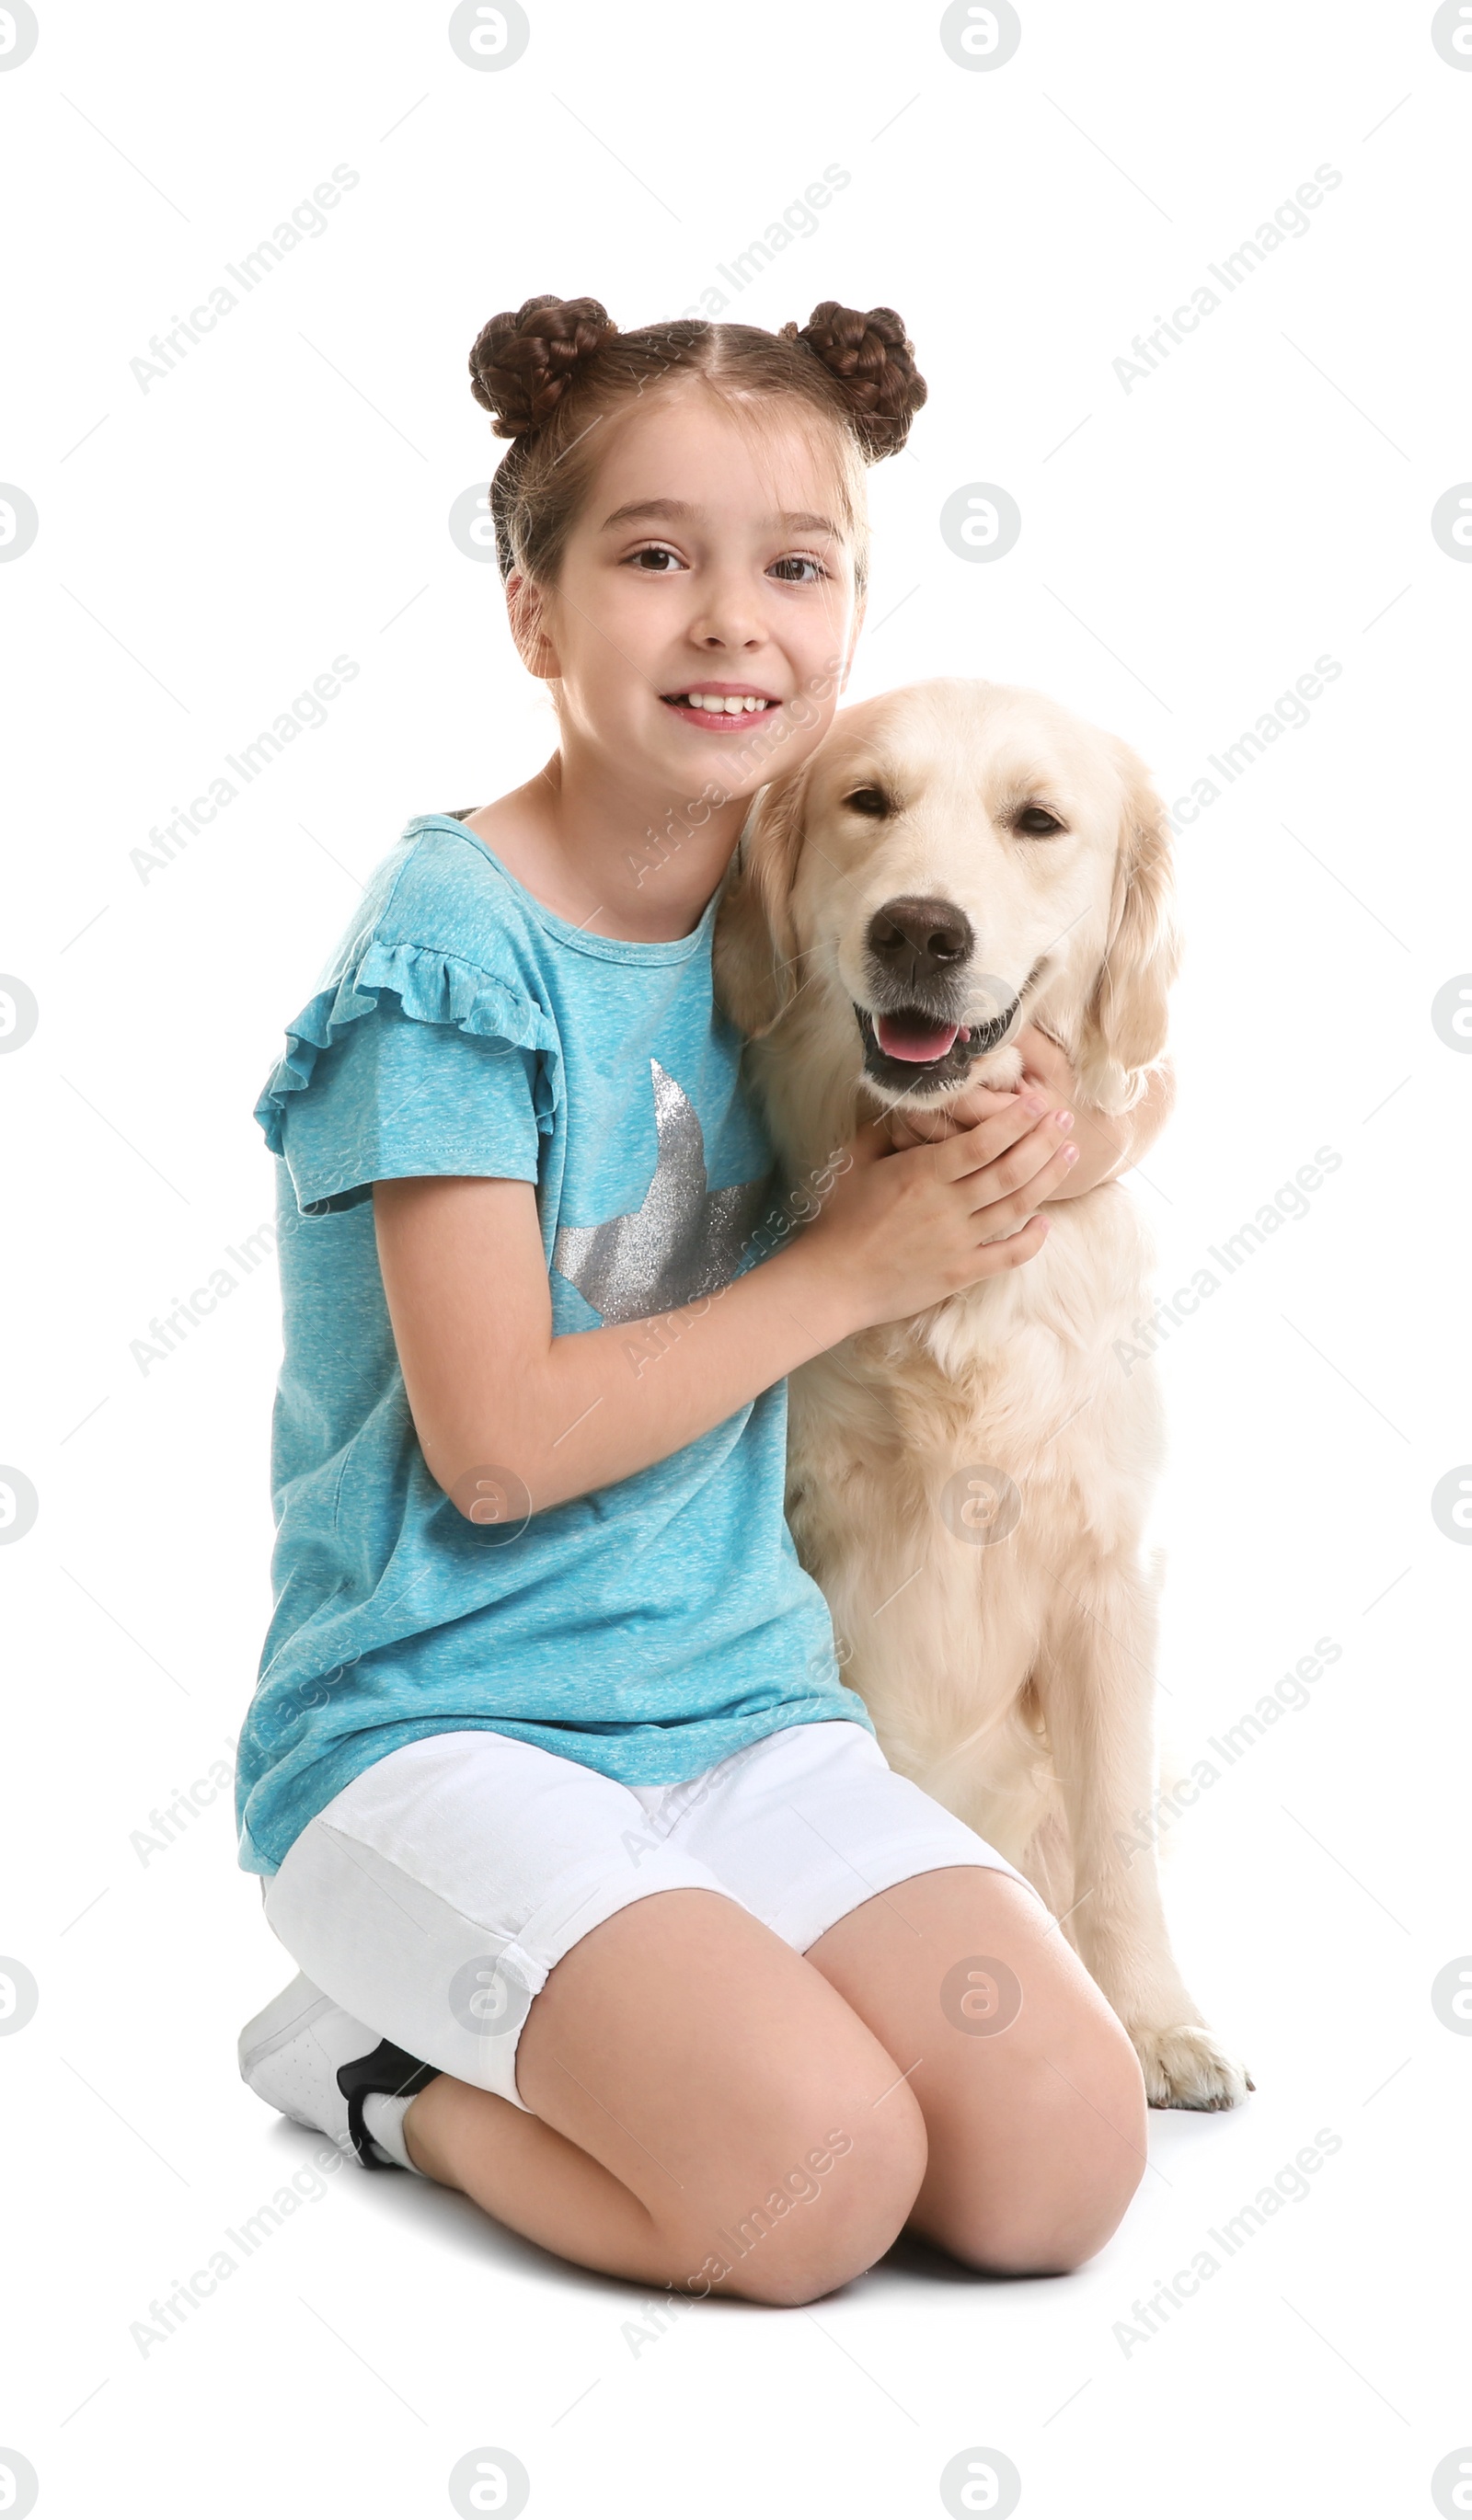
(1105,1145)
(898,1232)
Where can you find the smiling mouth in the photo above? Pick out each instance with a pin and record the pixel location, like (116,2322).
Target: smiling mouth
(909,1050)
(720,712)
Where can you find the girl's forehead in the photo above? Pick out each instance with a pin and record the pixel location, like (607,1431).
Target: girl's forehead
(689,441)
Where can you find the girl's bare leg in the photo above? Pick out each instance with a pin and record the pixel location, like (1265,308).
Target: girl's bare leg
(1035,2120)
(709,2113)
(689,2071)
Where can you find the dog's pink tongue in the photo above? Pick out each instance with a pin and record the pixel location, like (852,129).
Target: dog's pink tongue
(905,1037)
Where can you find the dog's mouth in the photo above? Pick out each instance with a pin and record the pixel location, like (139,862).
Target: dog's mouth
(911,1035)
(909,1049)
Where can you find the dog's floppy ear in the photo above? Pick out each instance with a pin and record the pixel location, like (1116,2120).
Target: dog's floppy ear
(1123,1031)
(756,945)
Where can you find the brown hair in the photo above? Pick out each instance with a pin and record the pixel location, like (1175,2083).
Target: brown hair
(552,371)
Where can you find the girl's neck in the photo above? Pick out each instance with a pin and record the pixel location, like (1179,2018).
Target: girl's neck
(595,846)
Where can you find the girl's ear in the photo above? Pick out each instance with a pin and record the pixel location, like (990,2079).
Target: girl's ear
(755,945)
(526,611)
(1123,1031)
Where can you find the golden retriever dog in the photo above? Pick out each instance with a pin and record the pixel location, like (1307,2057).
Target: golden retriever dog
(970,1487)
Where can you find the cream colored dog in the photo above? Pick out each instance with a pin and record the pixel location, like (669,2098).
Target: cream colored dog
(970,1487)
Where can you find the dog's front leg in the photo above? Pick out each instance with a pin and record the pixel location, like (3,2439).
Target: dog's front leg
(1096,1681)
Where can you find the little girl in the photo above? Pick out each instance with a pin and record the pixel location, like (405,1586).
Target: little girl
(610,1911)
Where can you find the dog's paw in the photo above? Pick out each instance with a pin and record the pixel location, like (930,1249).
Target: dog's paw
(1186,2069)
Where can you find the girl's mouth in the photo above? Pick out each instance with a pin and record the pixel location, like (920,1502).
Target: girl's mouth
(720,709)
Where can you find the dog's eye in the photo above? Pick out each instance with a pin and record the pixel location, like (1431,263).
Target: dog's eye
(869,800)
(1036,823)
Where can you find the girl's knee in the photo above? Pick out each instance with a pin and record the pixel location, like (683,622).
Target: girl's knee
(830,2185)
(1074,2158)
(1047,2229)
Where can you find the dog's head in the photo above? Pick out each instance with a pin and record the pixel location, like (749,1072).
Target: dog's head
(956,860)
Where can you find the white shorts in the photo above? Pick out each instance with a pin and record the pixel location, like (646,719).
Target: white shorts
(434,1893)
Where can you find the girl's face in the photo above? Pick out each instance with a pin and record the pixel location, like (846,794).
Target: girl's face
(703,618)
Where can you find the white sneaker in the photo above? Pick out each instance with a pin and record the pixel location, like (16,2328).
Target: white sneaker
(313,2061)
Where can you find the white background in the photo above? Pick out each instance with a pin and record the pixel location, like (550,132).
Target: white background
(1188,549)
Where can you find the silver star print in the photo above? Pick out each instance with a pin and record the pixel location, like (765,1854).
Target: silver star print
(682,1241)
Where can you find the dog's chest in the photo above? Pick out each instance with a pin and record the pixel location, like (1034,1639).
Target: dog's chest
(1022,1372)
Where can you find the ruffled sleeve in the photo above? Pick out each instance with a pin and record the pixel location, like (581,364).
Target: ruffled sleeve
(413,1061)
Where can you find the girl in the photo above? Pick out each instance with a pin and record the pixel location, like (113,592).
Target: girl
(610,1912)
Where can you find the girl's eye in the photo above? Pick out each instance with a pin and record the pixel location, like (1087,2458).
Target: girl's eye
(655,560)
(787,570)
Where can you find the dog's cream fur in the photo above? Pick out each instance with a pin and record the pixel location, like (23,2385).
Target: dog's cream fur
(1013,1680)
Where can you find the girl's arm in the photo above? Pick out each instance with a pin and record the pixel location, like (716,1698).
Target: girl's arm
(492,1390)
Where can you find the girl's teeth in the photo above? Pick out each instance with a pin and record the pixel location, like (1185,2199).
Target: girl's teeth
(719,704)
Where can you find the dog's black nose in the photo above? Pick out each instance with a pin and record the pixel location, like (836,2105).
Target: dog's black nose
(914,938)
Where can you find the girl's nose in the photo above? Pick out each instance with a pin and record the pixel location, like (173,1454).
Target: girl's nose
(728,617)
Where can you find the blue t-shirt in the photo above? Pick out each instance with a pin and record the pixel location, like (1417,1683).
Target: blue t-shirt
(650,1628)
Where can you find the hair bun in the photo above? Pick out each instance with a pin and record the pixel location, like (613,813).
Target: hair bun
(873,364)
(523,364)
